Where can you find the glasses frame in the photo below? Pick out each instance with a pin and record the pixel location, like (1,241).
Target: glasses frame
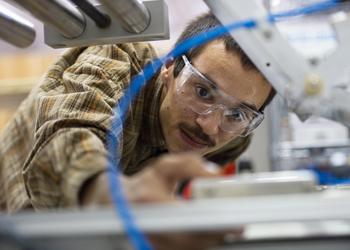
(258,116)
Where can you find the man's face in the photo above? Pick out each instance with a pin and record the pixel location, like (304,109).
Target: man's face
(186,130)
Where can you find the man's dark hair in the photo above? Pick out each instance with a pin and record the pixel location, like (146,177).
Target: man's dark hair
(202,24)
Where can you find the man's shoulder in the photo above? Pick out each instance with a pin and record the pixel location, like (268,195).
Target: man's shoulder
(139,50)
(102,54)
(112,59)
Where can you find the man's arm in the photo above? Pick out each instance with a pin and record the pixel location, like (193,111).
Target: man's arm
(60,167)
(72,111)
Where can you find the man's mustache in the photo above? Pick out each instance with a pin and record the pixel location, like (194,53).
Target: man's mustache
(197,132)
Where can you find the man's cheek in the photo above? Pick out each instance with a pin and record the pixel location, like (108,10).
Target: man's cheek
(184,111)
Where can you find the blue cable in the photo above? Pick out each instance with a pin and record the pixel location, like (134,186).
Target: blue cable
(307,10)
(122,207)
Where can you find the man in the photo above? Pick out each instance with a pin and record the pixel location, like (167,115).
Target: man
(203,104)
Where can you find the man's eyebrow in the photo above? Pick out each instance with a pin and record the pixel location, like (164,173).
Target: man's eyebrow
(251,106)
(210,80)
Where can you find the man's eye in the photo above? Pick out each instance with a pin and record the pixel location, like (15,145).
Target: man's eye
(203,92)
(236,116)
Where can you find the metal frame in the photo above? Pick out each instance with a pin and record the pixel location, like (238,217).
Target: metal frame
(157,29)
(14,30)
(59,15)
(132,14)
(316,213)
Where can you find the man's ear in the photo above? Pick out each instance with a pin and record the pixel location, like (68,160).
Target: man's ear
(166,73)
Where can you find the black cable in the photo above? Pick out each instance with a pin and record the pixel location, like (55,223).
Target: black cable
(101,20)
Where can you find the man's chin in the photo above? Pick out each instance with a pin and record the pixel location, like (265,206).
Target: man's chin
(180,149)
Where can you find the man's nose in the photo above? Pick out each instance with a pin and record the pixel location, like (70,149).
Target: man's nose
(210,122)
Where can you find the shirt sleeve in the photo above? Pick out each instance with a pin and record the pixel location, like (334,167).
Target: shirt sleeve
(73,111)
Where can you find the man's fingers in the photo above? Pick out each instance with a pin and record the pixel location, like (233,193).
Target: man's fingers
(178,167)
(158,181)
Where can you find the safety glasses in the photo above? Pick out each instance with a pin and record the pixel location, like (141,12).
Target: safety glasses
(204,97)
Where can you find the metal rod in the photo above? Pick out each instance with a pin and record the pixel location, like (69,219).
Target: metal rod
(102,20)
(60,15)
(15,30)
(132,14)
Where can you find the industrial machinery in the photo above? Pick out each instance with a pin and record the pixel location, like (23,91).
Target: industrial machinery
(298,221)
(307,85)
(78,23)
(312,78)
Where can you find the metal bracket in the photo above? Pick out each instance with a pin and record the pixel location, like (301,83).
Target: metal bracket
(158,29)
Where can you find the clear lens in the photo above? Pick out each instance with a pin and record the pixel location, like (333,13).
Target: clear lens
(204,98)
(199,96)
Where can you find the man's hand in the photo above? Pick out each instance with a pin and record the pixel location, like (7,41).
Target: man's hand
(156,183)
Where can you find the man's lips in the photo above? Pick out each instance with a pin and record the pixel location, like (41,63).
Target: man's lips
(192,140)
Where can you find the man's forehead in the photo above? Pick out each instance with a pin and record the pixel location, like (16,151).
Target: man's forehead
(226,71)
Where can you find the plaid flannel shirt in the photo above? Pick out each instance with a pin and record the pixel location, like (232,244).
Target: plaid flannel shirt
(56,140)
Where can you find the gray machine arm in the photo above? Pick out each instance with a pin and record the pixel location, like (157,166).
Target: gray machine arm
(15,30)
(310,88)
